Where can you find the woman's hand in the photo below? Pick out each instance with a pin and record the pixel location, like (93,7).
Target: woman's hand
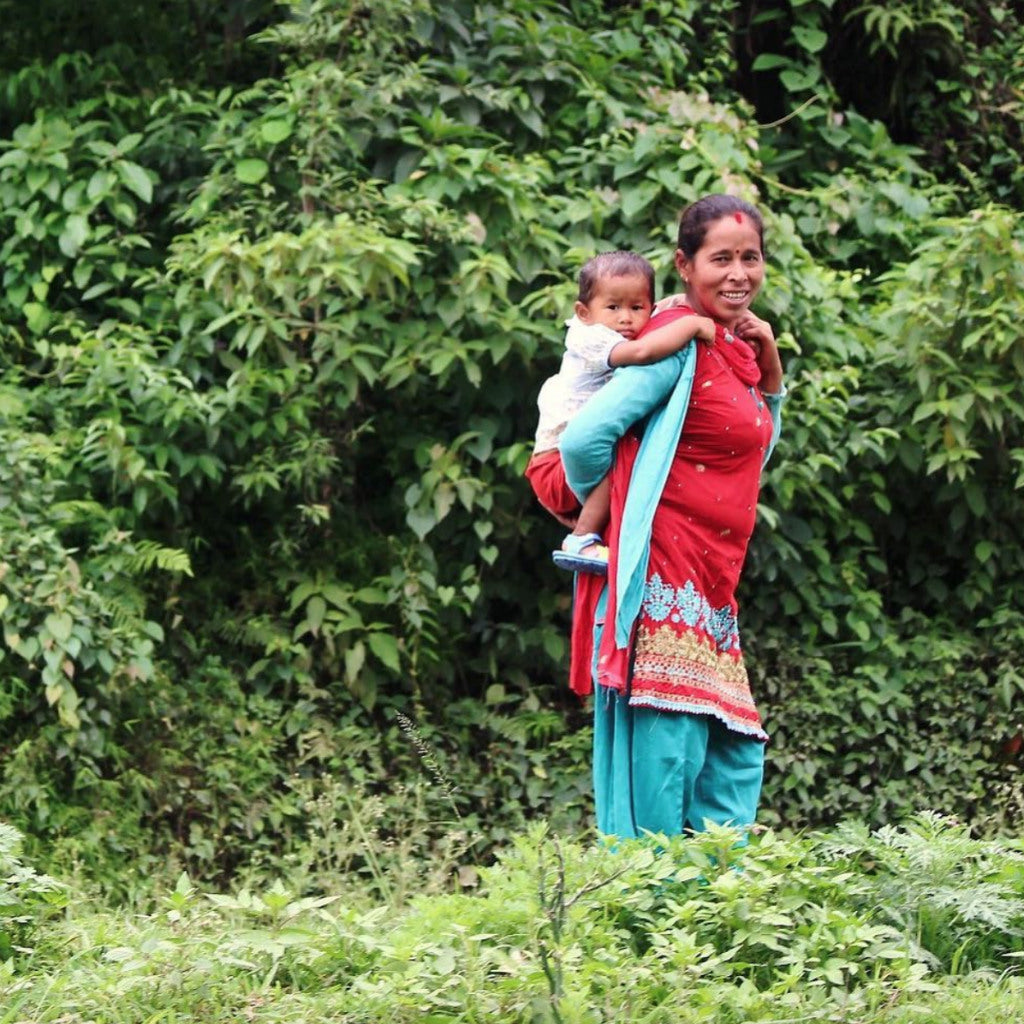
(758,334)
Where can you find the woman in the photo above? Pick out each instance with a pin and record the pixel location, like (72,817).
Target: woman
(677,737)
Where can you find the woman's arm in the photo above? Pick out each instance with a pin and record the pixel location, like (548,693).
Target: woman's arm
(588,442)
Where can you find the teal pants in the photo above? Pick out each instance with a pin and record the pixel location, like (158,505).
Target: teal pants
(666,771)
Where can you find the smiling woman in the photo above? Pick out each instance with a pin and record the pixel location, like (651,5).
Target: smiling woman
(678,739)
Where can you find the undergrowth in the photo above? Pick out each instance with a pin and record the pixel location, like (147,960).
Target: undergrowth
(920,923)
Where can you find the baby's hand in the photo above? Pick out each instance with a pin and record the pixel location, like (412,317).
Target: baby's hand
(705,329)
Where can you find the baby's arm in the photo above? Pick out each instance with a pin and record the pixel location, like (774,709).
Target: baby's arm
(660,342)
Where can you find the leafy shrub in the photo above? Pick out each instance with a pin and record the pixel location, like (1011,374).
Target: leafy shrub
(26,898)
(270,353)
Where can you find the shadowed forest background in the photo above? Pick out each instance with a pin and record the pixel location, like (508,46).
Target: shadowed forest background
(280,285)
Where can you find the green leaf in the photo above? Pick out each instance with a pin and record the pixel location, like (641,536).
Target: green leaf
(72,238)
(984,550)
(135,178)
(275,131)
(251,170)
(385,647)
(36,316)
(420,521)
(813,40)
(636,198)
(36,177)
(316,608)
(355,658)
(129,142)
(100,184)
(59,624)
(767,61)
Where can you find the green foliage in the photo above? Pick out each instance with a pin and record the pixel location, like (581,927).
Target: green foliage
(26,897)
(822,927)
(960,900)
(944,78)
(272,330)
(74,624)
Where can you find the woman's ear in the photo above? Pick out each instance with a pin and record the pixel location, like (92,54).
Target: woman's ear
(682,265)
(582,313)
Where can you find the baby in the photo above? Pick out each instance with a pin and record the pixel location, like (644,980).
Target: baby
(615,301)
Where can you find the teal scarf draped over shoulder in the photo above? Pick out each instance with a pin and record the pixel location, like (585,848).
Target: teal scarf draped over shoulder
(650,471)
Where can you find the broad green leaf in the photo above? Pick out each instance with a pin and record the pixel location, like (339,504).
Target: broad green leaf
(385,647)
(275,131)
(36,177)
(420,521)
(100,184)
(813,40)
(36,316)
(251,170)
(135,178)
(355,658)
(316,609)
(72,238)
(767,61)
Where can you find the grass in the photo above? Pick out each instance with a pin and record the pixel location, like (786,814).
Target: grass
(919,925)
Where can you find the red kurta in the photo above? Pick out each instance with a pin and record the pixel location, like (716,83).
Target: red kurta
(686,649)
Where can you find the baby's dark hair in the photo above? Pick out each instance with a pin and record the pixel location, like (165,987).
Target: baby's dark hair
(694,220)
(612,264)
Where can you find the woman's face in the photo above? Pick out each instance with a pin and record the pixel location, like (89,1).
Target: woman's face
(725,274)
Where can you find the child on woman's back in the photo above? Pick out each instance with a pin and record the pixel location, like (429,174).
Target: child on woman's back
(615,301)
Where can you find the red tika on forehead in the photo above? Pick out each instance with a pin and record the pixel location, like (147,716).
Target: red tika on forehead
(739,217)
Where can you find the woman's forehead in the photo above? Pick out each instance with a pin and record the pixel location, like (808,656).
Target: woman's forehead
(733,231)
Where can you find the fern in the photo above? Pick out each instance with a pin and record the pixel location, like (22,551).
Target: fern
(149,555)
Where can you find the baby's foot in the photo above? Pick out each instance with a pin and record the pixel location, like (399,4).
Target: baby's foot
(582,552)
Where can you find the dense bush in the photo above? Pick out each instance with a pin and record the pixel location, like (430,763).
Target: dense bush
(272,332)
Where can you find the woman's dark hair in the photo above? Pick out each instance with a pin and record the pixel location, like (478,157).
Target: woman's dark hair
(694,220)
(612,264)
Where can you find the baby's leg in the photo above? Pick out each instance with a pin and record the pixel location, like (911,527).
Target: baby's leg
(594,515)
(584,550)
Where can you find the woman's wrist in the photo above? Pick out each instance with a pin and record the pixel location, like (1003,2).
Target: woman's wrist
(771,383)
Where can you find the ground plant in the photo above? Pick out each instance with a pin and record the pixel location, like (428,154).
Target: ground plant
(818,927)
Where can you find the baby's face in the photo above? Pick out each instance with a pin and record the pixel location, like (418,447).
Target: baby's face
(622,303)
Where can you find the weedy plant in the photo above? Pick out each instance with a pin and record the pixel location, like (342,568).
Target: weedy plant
(26,898)
(958,899)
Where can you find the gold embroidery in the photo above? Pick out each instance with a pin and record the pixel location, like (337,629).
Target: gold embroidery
(667,659)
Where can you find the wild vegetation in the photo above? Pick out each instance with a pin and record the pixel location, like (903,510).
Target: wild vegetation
(915,924)
(280,283)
